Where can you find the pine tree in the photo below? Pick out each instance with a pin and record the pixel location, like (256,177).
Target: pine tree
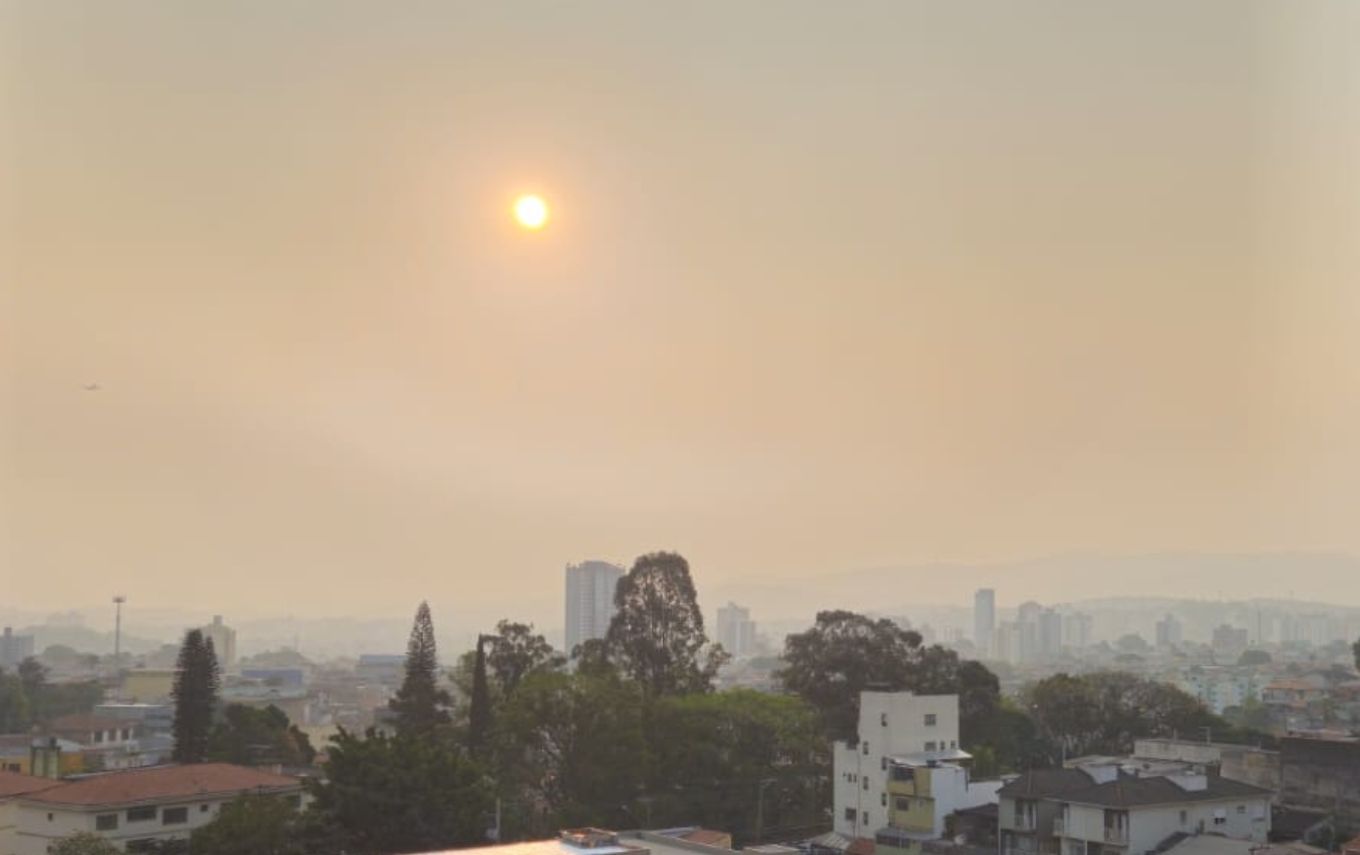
(197,681)
(479,706)
(421,706)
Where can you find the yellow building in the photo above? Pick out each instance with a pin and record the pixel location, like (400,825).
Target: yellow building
(147,685)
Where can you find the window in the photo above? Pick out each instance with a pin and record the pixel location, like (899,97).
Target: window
(99,736)
(866,748)
(849,814)
(106,822)
(1185,817)
(883,763)
(902,803)
(203,808)
(883,799)
(953,743)
(1241,810)
(141,814)
(175,816)
(49,817)
(930,746)
(866,784)
(930,719)
(12,767)
(865,821)
(883,719)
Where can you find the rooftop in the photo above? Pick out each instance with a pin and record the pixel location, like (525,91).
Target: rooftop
(1138,792)
(14,784)
(1038,783)
(162,782)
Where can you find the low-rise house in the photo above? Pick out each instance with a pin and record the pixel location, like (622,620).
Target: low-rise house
(137,806)
(1129,815)
(1027,808)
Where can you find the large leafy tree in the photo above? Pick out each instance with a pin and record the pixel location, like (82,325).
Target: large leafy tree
(250,736)
(253,825)
(1104,712)
(15,710)
(657,634)
(843,654)
(741,760)
(516,651)
(421,706)
(574,746)
(405,793)
(197,681)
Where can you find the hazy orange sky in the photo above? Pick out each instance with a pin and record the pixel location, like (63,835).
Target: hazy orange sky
(828,285)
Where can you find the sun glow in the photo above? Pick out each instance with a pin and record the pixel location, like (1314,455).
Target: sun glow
(531,212)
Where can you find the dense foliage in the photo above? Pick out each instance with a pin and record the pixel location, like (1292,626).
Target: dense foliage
(83,843)
(197,681)
(657,634)
(406,793)
(255,825)
(27,698)
(254,737)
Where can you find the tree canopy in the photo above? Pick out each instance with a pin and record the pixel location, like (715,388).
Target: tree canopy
(516,651)
(195,688)
(253,825)
(250,737)
(1104,712)
(657,634)
(420,705)
(843,654)
(405,793)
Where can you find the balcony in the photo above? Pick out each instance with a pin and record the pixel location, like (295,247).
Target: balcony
(1059,826)
(1024,822)
(1117,834)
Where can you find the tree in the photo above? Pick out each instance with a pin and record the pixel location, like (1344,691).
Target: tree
(252,737)
(479,706)
(83,843)
(15,713)
(843,654)
(420,705)
(195,688)
(1104,712)
(1355,649)
(574,744)
(405,793)
(252,825)
(657,633)
(516,652)
(739,760)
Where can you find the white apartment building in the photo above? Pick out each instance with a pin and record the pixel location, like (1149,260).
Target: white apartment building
(904,775)
(589,600)
(135,806)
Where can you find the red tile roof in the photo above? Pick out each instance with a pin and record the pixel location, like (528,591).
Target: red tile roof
(14,784)
(164,782)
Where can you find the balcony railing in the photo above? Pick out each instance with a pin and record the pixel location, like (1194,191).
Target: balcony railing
(1116,835)
(1024,822)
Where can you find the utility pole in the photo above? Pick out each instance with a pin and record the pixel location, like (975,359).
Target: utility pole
(760,807)
(118,601)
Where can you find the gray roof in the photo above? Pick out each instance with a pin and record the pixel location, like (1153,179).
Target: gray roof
(1136,792)
(1041,783)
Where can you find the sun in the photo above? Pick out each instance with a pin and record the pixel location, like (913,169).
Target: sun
(531,212)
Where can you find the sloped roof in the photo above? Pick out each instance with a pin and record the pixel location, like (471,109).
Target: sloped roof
(15,784)
(1136,792)
(1040,783)
(163,782)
